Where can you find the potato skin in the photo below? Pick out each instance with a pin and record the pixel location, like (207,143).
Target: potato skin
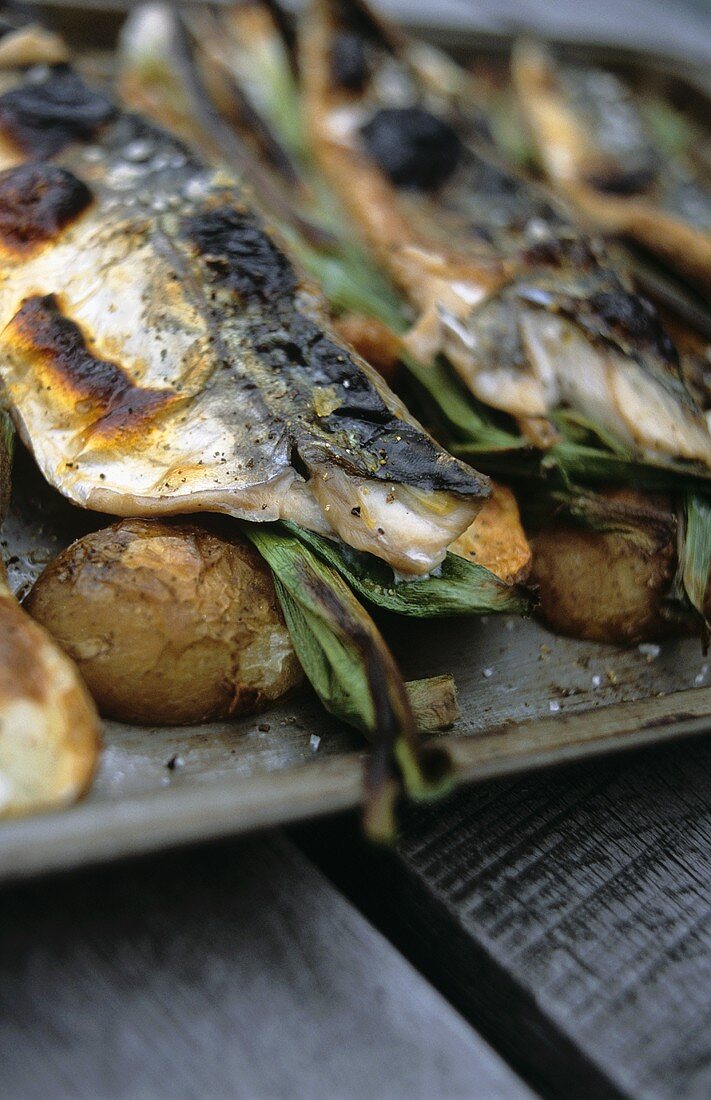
(169,623)
(49,728)
(609,586)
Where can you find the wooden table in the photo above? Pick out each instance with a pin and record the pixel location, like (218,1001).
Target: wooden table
(549,936)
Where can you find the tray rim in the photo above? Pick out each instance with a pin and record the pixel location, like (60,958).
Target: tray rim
(97,833)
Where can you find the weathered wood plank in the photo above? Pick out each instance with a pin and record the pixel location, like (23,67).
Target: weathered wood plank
(236,971)
(567,916)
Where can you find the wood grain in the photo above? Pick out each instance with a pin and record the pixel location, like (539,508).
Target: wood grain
(567,916)
(236,972)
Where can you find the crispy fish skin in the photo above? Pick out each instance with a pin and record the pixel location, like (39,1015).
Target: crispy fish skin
(526,308)
(595,147)
(162,355)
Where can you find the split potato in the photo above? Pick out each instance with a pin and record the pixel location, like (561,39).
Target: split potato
(169,623)
(49,728)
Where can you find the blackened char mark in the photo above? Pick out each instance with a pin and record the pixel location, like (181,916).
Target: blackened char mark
(636,181)
(635,320)
(43,117)
(349,64)
(240,255)
(290,343)
(363,435)
(37,201)
(116,404)
(561,250)
(413,147)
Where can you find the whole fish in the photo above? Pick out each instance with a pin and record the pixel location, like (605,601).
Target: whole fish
(159,75)
(526,307)
(597,146)
(162,354)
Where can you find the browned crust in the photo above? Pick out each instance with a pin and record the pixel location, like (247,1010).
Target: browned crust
(60,359)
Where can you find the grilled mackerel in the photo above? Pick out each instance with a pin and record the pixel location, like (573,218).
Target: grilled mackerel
(596,144)
(162,354)
(527,309)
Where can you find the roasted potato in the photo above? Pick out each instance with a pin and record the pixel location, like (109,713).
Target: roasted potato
(612,584)
(169,623)
(49,728)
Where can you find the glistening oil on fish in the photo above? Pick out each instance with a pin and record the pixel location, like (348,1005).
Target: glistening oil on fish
(162,354)
(529,311)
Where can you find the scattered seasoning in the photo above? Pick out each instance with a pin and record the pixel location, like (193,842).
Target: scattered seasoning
(596,680)
(650,651)
(314,742)
(553,706)
(175,762)
(487,672)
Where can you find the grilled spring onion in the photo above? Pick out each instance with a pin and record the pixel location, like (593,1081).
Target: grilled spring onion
(353,673)
(458,587)
(695,553)
(7,446)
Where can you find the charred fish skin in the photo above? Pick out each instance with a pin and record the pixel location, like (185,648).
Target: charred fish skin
(596,146)
(504,282)
(162,354)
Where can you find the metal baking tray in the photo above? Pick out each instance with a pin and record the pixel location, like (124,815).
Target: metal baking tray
(528,700)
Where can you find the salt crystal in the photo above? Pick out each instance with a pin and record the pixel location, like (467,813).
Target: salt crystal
(139,150)
(487,672)
(647,649)
(553,706)
(596,681)
(314,742)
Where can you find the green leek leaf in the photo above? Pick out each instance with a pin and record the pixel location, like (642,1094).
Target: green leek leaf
(459,587)
(695,554)
(352,671)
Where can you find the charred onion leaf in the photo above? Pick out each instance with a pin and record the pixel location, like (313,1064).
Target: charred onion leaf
(353,673)
(459,587)
(695,552)
(7,445)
